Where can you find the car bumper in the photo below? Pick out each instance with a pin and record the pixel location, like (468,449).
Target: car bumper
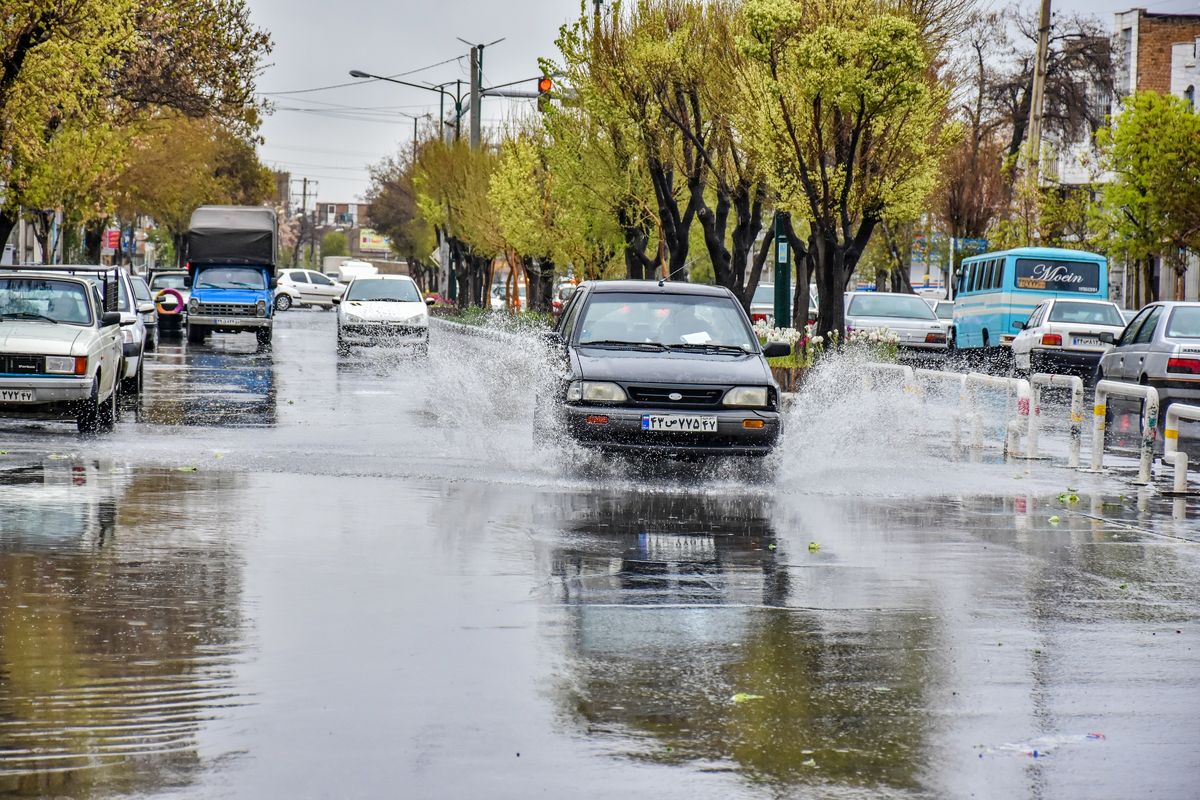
(407,335)
(47,392)
(623,432)
(930,353)
(229,324)
(1065,362)
(1175,391)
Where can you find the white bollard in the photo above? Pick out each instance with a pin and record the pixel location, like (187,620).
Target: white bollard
(1040,381)
(903,370)
(1149,397)
(1018,386)
(930,375)
(1171,453)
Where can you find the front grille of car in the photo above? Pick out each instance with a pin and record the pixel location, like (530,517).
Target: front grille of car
(227,310)
(21,365)
(690,397)
(385,329)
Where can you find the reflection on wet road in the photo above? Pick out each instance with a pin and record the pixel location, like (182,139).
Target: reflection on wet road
(290,576)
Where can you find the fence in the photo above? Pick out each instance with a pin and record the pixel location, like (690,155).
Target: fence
(1149,397)
(1171,453)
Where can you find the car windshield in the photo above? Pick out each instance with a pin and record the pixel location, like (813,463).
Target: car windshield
(383,289)
(44,299)
(122,295)
(174,281)
(945,311)
(1086,313)
(1184,323)
(903,306)
(141,291)
(665,319)
(231,278)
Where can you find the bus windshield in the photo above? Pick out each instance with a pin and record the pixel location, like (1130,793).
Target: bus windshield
(1058,276)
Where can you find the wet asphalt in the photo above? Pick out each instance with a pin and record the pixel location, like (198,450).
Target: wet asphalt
(292,575)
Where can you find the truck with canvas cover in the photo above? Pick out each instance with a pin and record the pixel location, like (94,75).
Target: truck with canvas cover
(230,252)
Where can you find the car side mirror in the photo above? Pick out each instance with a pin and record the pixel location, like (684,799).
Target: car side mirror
(553,338)
(187,281)
(145,308)
(109,318)
(777,349)
(1018,325)
(429,301)
(125,323)
(337,301)
(1108,338)
(273,283)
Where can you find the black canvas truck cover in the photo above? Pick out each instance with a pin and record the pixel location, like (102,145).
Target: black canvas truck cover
(232,234)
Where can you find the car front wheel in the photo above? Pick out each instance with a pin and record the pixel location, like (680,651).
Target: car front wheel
(283,302)
(87,418)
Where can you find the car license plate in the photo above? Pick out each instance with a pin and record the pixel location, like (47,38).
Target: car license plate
(1085,341)
(679,423)
(16,395)
(226,321)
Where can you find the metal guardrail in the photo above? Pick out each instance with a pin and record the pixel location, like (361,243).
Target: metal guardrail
(1149,397)
(1172,455)
(1042,381)
(1024,395)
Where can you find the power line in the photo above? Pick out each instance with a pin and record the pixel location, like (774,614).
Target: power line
(356,83)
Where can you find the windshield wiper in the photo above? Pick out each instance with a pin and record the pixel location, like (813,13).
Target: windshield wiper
(723,348)
(619,343)
(28,315)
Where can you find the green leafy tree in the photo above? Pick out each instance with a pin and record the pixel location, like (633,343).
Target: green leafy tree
(334,244)
(846,115)
(394,213)
(1152,205)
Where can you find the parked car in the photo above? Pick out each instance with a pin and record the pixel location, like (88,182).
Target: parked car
(1128,314)
(383,309)
(349,270)
(498,302)
(562,294)
(146,310)
(1159,348)
(305,287)
(943,309)
(1065,336)
(171,295)
(922,335)
(762,305)
(662,368)
(62,354)
(133,327)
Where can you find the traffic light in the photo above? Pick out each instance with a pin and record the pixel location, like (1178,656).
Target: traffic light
(545,86)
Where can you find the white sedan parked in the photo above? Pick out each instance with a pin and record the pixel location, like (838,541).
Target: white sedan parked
(61,356)
(1064,336)
(383,309)
(306,287)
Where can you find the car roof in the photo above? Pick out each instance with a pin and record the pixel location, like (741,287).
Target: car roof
(44,274)
(1090,300)
(657,287)
(383,277)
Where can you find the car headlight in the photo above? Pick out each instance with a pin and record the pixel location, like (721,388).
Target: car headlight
(194,306)
(262,308)
(351,317)
(595,392)
(66,365)
(746,396)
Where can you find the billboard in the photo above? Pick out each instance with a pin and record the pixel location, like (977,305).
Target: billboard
(371,242)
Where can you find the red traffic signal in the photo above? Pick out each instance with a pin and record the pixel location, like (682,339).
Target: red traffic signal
(545,85)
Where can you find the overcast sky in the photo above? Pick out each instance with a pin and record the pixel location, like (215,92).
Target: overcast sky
(343,129)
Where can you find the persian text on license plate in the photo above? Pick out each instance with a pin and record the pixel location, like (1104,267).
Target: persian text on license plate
(16,395)
(1089,341)
(679,423)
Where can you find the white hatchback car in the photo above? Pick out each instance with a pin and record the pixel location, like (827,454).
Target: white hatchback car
(1064,336)
(306,287)
(61,356)
(385,309)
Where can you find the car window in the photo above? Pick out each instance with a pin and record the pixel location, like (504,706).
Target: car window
(230,278)
(1135,324)
(764,294)
(174,281)
(1035,319)
(571,314)
(669,319)
(384,290)
(141,291)
(1086,313)
(902,306)
(1146,332)
(1184,323)
(298,277)
(44,299)
(319,279)
(123,303)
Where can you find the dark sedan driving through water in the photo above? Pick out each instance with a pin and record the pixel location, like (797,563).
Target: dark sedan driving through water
(671,368)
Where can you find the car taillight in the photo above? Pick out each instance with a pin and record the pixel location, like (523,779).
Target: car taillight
(1052,339)
(1188,366)
(935,338)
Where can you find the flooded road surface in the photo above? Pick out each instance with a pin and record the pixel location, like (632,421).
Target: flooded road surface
(290,576)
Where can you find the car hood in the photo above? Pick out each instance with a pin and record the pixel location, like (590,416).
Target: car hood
(637,366)
(374,310)
(42,338)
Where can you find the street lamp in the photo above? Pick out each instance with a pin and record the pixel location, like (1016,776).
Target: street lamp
(457,97)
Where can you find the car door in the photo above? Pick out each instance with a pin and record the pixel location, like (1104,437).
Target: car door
(323,289)
(1135,354)
(1028,336)
(1113,364)
(301,286)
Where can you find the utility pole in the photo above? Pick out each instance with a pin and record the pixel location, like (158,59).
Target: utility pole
(1038,92)
(476,85)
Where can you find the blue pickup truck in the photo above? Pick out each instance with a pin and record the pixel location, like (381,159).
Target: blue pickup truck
(230,254)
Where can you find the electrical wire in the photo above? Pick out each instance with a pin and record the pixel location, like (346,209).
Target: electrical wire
(358,82)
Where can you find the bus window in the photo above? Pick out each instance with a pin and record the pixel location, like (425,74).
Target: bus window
(998,275)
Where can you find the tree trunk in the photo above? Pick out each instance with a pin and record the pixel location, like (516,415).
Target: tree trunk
(93,239)
(8,221)
(835,262)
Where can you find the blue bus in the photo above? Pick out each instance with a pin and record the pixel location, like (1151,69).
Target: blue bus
(995,290)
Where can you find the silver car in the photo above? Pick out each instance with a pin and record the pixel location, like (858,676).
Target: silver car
(1159,348)
(61,356)
(922,335)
